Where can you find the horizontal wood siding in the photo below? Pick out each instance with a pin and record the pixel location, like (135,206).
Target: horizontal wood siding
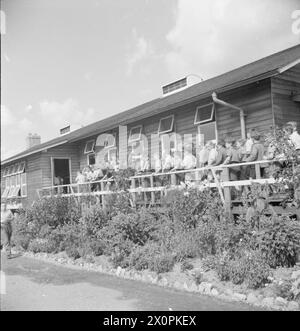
(63,151)
(254,99)
(283,87)
(34,176)
(33,171)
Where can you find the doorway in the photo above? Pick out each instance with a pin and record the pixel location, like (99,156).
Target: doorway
(61,171)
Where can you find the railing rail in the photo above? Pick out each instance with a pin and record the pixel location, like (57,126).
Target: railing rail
(146,183)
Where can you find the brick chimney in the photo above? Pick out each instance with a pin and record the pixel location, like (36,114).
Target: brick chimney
(32,140)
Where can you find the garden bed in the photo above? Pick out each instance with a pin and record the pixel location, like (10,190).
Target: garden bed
(188,242)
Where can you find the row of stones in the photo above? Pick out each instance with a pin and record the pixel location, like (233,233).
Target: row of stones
(204,288)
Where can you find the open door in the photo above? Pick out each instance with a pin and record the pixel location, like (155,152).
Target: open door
(61,171)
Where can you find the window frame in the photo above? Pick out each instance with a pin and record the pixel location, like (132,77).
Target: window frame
(92,150)
(130,139)
(114,143)
(172,125)
(22,176)
(21,167)
(211,119)
(88,156)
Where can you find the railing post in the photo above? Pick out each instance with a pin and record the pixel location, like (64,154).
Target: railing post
(227,193)
(102,195)
(257,171)
(133,193)
(152,193)
(173,179)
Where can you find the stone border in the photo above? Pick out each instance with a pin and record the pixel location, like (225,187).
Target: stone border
(205,288)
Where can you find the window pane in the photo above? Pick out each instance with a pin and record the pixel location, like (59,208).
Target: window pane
(166,124)
(15,168)
(5,193)
(89,146)
(135,133)
(91,159)
(204,113)
(207,132)
(23,179)
(21,167)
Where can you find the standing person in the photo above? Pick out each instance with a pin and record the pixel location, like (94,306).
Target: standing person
(6,228)
(249,143)
(257,154)
(294,136)
(233,156)
(221,153)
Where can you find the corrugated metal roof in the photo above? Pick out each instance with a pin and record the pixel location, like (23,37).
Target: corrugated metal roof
(246,74)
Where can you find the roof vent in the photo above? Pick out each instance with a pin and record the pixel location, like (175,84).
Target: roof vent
(181,84)
(65,130)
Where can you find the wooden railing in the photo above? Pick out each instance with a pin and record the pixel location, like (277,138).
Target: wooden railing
(150,187)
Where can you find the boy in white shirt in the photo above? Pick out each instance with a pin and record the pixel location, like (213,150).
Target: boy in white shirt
(294,136)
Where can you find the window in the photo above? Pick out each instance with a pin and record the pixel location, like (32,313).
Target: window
(207,132)
(166,124)
(5,171)
(21,168)
(89,146)
(135,133)
(12,180)
(110,141)
(23,185)
(204,114)
(7,188)
(91,159)
(15,179)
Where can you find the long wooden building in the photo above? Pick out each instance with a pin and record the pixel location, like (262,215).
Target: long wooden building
(259,95)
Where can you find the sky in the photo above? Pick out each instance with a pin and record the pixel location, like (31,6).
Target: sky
(73,62)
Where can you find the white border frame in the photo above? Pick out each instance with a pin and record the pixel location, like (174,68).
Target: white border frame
(93,148)
(130,140)
(172,125)
(211,115)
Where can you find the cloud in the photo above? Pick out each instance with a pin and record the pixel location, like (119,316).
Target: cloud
(60,114)
(143,50)
(45,120)
(7,117)
(213,36)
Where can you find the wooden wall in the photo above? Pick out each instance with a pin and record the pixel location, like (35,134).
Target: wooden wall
(63,151)
(283,86)
(255,99)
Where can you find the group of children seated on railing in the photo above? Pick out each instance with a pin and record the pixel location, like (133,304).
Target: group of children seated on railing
(227,151)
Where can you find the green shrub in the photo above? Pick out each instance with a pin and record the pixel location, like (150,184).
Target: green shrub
(279,241)
(186,266)
(141,257)
(249,268)
(162,262)
(41,246)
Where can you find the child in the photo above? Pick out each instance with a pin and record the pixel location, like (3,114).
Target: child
(221,153)
(233,156)
(294,136)
(249,143)
(212,156)
(257,154)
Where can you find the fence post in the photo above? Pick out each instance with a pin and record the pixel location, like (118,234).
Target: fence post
(152,193)
(173,179)
(257,171)
(133,193)
(227,194)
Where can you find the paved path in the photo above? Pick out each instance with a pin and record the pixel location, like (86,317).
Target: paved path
(37,285)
